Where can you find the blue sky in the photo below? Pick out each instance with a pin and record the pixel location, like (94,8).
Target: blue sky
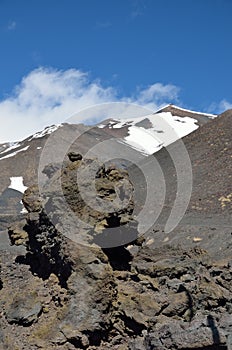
(122,48)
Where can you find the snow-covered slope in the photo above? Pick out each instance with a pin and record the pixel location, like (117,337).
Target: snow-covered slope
(147,135)
(11,149)
(47,131)
(150,133)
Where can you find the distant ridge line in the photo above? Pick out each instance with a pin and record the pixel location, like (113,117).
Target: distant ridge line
(173,108)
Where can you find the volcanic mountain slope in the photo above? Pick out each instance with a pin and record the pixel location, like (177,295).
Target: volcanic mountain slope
(162,291)
(19,162)
(144,135)
(21,157)
(132,297)
(210,151)
(207,222)
(150,133)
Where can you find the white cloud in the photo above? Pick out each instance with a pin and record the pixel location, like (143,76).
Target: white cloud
(47,96)
(225,105)
(11,25)
(220,107)
(156,95)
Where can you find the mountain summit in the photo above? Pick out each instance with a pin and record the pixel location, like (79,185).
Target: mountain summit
(145,135)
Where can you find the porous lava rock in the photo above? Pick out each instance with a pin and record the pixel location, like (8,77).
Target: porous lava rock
(130,297)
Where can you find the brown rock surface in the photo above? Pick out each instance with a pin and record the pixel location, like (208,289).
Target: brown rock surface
(85,297)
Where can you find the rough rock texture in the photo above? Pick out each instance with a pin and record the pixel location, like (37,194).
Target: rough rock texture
(23,309)
(59,294)
(90,199)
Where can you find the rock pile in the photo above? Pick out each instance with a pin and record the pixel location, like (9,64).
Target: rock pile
(66,295)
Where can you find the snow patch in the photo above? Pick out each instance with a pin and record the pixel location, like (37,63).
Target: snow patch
(173,127)
(125,123)
(142,140)
(165,129)
(10,146)
(17,184)
(14,153)
(46,131)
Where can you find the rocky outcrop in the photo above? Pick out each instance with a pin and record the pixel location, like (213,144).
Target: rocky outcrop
(130,297)
(86,200)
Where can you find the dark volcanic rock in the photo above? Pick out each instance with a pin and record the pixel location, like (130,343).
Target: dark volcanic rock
(17,234)
(92,291)
(74,156)
(92,199)
(130,297)
(23,310)
(31,199)
(51,169)
(200,334)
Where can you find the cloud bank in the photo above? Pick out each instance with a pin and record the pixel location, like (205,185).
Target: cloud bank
(48,96)
(220,107)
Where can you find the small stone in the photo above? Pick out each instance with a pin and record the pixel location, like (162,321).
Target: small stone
(73,157)
(23,310)
(45,310)
(178,304)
